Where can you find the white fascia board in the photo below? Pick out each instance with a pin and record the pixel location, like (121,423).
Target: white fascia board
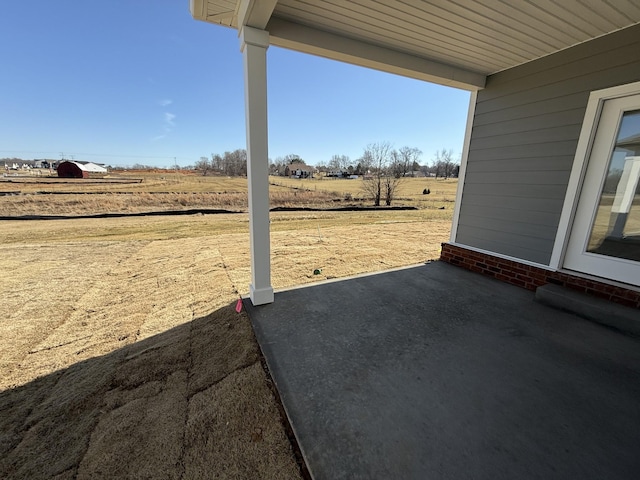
(463,165)
(310,40)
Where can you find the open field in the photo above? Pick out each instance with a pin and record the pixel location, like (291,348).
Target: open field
(409,191)
(123,356)
(171,191)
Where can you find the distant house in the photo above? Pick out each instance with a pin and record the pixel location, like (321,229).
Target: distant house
(69,169)
(43,163)
(299,170)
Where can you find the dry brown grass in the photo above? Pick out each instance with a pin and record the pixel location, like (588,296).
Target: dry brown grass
(409,190)
(172,192)
(122,355)
(90,204)
(132,181)
(116,355)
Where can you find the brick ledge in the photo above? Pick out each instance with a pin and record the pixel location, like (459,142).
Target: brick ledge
(532,277)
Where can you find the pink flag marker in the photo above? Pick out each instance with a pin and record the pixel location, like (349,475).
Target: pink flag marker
(239,305)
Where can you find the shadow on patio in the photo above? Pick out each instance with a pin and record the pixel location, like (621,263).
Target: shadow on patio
(437,372)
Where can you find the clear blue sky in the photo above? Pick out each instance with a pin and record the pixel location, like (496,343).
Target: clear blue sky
(139,81)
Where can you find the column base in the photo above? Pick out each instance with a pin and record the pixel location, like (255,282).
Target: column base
(260,296)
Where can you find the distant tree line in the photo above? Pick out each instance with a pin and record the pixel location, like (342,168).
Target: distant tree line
(403,162)
(232,164)
(381,166)
(443,165)
(280,165)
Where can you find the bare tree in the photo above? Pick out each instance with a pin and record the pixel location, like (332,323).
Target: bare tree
(235,163)
(410,158)
(364,164)
(444,164)
(396,167)
(293,158)
(340,162)
(390,185)
(203,165)
(278,166)
(217,163)
(404,161)
(379,155)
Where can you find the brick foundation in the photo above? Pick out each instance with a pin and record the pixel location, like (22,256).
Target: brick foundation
(530,277)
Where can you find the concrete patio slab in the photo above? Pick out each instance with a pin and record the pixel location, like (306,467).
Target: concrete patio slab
(437,372)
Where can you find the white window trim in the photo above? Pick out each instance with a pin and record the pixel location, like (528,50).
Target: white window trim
(463,165)
(587,133)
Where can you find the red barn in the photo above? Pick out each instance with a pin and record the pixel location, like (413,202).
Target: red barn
(69,169)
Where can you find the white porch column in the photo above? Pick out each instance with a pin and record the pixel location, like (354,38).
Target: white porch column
(254,44)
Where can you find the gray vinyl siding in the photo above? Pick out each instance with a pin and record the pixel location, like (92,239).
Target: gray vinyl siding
(525,131)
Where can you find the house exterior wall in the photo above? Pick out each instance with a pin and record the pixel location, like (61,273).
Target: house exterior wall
(525,130)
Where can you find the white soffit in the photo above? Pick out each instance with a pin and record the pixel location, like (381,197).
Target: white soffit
(452,42)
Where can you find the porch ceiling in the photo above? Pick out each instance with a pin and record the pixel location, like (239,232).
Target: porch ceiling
(457,42)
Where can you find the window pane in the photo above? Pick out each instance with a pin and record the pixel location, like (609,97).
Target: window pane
(616,229)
